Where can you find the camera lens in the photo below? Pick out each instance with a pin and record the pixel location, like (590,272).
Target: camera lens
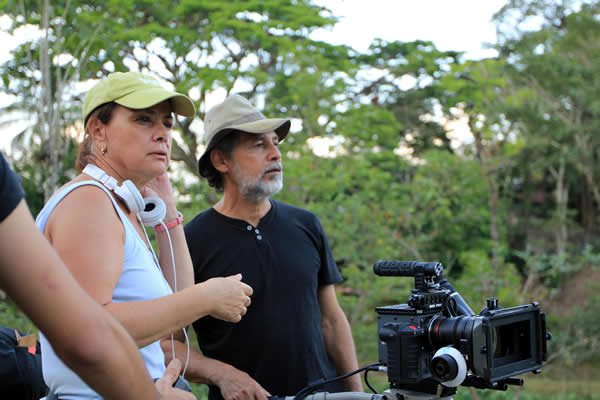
(444,331)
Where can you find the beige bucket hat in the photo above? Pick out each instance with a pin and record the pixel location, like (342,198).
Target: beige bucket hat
(236,113)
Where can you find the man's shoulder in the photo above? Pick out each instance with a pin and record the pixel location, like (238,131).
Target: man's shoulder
(200,220)
(298,216)
(292,210)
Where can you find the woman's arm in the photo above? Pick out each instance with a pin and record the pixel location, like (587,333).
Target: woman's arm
(183,262)
(161,186)
(151,320)
(90,240)
(103,354)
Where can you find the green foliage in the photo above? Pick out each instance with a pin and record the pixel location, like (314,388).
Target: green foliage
(33,174)
(408,74)
(12,317)
(490,210)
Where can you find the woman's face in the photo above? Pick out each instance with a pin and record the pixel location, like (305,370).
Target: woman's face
(139,141)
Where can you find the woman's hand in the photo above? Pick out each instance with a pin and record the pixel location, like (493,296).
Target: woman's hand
(161,187)
(231,297)
(165,384)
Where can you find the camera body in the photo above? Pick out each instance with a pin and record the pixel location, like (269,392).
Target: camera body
(435,342)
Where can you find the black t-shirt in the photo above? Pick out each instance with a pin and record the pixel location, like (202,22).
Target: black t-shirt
(11,191)
(286,258)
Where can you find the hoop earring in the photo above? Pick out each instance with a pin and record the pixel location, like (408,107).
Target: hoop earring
(103,150)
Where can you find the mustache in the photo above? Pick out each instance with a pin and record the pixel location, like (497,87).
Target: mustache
(274,167)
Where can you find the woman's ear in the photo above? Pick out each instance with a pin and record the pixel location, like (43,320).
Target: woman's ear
(219,161)
(96,129)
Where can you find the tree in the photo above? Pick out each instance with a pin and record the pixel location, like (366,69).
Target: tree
(553,70)
(406,81)
(41,77)
(195,47)
(475,91)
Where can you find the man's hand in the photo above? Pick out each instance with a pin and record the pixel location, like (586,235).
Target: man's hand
(238,385)
(165,384)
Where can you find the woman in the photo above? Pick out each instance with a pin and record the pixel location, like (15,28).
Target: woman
(95,226)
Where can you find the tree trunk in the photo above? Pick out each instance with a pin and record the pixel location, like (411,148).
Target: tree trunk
(561,196)
(493,197)
(588,215)
(48,123)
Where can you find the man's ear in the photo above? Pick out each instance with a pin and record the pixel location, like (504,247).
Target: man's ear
(219,161)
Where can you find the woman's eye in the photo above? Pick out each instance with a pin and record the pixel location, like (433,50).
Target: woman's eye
(169,124)
(143,118)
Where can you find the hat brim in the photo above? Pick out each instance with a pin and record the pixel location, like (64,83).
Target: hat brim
(279,125)
(149,97)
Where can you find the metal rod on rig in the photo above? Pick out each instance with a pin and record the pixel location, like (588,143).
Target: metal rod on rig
(407,268)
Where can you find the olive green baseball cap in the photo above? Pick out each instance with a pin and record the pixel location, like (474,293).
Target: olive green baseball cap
(136,91)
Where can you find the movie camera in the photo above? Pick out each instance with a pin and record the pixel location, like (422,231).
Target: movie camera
(435,342)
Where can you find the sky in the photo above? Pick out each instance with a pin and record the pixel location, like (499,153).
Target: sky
(461,25)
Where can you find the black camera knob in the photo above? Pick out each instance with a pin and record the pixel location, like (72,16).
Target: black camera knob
(492,304)
(444,367)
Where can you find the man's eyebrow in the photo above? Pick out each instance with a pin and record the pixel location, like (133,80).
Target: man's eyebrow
(254,137)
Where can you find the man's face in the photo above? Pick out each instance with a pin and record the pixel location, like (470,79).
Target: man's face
(256,166)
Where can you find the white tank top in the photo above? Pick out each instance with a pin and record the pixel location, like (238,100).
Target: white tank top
(140,280)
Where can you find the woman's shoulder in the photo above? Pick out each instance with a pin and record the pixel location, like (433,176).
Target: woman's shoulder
(88,202)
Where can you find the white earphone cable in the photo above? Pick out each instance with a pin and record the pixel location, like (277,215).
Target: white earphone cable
(187,342)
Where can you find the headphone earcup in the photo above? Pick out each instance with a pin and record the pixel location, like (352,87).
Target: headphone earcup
(154,211)
(130,195)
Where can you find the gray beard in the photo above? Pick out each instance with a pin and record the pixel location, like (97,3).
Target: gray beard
(258,190)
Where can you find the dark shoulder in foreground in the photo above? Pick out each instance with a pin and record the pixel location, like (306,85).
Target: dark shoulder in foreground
(11,191)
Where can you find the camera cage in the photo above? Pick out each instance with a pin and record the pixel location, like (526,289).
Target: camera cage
(492,359)
(497,344)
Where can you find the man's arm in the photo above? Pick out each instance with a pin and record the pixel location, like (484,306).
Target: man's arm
(233,383)
(338,337)
(86,337)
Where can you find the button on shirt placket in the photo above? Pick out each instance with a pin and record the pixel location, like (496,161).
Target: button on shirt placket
(256,231)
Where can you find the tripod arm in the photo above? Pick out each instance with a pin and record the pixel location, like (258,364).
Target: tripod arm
(336,396)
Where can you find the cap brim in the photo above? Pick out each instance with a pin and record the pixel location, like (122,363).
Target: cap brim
(145,98)
(279,125)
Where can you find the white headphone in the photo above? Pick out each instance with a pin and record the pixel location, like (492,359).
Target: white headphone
(151,210)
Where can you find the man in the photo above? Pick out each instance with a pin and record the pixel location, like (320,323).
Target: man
(85,336)
(294,332)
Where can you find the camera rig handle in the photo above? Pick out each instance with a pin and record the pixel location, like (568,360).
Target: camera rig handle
(407,268)
(423,272)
